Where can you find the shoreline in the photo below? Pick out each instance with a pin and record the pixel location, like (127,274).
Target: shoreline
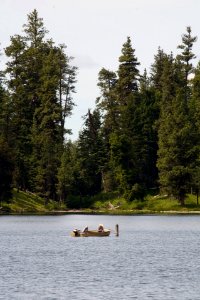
(102,212)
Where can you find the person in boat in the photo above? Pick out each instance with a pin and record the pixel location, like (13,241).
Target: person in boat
(76,232)
(85,229)
(101,228)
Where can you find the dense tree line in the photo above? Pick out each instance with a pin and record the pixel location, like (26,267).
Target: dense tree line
(35,99)
(144,133)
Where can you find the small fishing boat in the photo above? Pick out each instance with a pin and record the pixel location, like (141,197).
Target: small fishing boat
(78,233)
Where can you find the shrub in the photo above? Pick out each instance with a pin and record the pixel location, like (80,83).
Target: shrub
(137,193)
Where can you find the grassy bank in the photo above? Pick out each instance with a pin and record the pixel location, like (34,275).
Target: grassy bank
(151,204)
(24,202)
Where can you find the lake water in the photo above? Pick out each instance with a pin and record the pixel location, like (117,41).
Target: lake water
(154,257)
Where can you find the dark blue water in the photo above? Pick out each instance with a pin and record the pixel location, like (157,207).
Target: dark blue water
(155,257)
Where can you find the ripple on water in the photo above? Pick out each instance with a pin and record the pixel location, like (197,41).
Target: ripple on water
(153,258)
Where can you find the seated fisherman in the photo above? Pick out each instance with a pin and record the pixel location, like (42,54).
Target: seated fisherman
(85,229)
(100,228)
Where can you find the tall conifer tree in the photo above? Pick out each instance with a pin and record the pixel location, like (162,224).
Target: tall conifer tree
(125,141)
(41,82)
(176,134)
(91,154)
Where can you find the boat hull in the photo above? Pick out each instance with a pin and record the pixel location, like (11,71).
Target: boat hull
(97,233)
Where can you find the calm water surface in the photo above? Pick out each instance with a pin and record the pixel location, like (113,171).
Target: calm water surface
(155,257)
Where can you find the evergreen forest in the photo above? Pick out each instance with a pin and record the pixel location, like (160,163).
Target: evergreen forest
(142,137)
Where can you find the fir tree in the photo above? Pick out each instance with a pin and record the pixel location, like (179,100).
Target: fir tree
(125,141)
(157,70)
(107,102)
(187,55)
(67,80)
(41,83)
(127,72)
(21,120)
(175,154)
(91,155)
(108,106)
(6,169)
(194,109)
(47,139)
(68,173)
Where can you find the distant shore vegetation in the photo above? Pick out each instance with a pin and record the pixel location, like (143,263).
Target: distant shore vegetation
(142,136)
(24,203)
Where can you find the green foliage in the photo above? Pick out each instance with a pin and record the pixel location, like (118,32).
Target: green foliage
(46,133)
(144,131)
(6,169)
(151,204)
(127,72)
(40,82)
(91,155)
(157,69)
(78,202)
(23,202)
(187,55)
(176,154)
(137,193)
(26,202)
(67,172)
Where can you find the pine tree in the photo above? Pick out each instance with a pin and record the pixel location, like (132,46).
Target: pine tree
(41,83)
(47,139)
(91,155)
(194,109)
(6,155)
(20,110)
(6,169)
(175,155)
(26,57)
(157,70)
(5,111)
(108,107)
(68,172)
(148,117)
(35,30)
(186,58)
(125,141)
(128,73)
(107,102)
(187,55)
